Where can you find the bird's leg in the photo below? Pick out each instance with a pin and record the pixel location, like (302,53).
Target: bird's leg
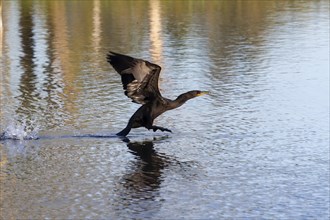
(155,128)
(125,131)
(131,124)
(149,124)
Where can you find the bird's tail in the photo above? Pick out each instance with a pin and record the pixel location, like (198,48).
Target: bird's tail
(124,132)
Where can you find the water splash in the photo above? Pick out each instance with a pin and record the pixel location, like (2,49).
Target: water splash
(25,130)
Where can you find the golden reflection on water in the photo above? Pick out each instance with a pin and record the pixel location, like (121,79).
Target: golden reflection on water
(64,56)
(96,35)
(156,49)
(1,42)
(1,29)
(73,32)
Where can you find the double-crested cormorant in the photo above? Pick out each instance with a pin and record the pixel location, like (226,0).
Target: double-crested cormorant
(140,82)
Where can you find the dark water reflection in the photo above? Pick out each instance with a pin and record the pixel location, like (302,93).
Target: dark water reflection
(256,147)
(141,186)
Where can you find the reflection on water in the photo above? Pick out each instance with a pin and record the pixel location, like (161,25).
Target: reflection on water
(257,146)
(141,186)
(149,169)
(155,32)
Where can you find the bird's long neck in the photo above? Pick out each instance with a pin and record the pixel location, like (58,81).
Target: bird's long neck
(181,99)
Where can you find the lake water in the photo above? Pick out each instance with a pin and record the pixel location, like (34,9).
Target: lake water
(256,147)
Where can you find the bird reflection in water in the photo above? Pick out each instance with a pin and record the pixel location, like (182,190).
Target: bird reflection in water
(139,191)
(149,165)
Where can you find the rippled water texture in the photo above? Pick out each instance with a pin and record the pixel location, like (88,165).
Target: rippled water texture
(256,147)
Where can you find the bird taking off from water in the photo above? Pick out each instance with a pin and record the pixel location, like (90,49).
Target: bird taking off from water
(140,82)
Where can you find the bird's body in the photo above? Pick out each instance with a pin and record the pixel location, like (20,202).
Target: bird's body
(140,82)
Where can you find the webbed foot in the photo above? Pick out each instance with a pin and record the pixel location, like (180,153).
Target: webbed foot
(155,128)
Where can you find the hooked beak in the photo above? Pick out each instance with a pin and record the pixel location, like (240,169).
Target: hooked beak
(203,93)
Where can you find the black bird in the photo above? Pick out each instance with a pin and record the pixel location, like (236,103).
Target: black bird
(140,82)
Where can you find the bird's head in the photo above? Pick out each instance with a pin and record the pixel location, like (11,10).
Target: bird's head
(181,99)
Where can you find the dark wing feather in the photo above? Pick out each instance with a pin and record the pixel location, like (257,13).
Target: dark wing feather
(139,77)
(120,63)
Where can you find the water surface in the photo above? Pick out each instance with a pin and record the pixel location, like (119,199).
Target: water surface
(257,146)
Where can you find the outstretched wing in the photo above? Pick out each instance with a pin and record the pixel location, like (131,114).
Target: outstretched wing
(139,77)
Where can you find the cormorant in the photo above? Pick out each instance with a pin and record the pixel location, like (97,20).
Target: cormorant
(140,82)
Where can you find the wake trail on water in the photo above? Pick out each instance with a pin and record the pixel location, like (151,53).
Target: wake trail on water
(28,130)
